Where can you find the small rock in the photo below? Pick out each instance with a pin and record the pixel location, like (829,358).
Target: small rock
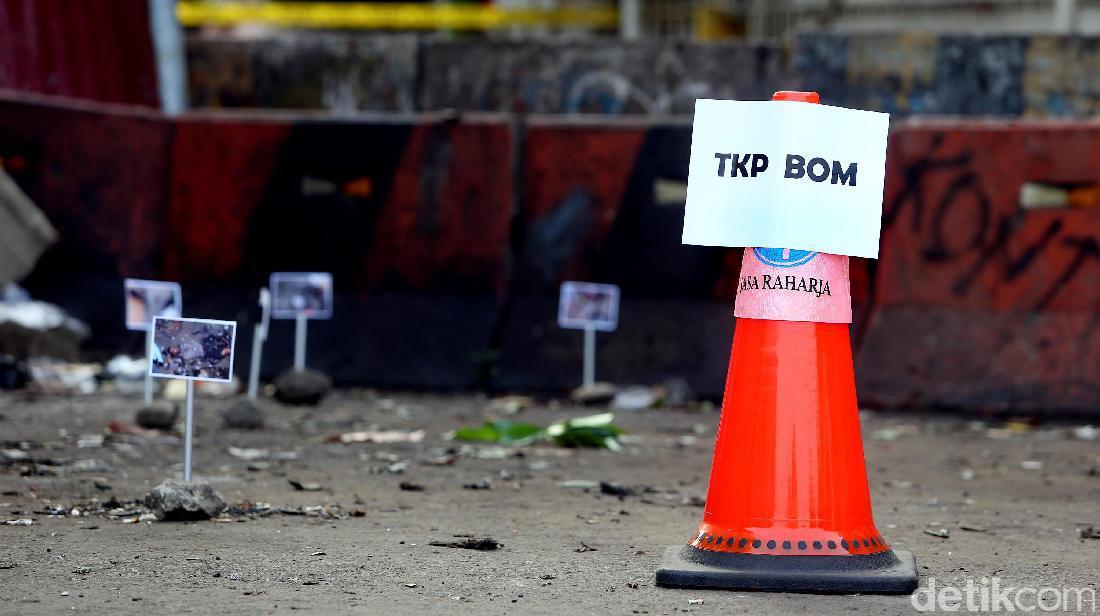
(14,455)
(411,585)
(244,415)
(1090,533)
(302,386)
(178,500)
(585,548)
(305,486)
(409,486)
(972,528)
(159,416)
(596,393)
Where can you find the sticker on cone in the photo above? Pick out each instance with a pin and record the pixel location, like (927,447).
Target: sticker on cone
(781,284)
(788,507)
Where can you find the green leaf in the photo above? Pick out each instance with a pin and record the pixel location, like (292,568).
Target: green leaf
(508,432)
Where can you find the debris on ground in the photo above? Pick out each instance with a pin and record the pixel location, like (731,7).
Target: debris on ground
(158,416)
(585,548)
(244,415)
(596,393)
(616,489)
(30,328)
(305,486)
(579,484)
(409,486)
(121,427)
(1086,433)
(510,405)
(590,431)
(942,533)
(59,377)
(635,398)
(483,484)
(972,528)
(484,544)
(128,373)
(380,437)
(1090,533)
(249,454)
(1032,465)
(303,387)
(178,500)
(14,373)
(20,522)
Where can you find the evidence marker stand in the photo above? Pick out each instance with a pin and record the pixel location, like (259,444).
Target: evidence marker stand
(259,337)
(591,307)
(189,397)
(788,506)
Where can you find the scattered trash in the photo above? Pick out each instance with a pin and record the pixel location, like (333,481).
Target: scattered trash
(484,484)
(411,585)
(178,500)
(972,528)
(484,544)
(596,393)
(942,533)
(60,377)
(307,486)
(409,486)
(695,602)
(615,489)
(1032,465)
(89,441)
(894,433)
(1090,533)
(967,474)
(510,405)
(20,522)
(1086,433)
(249,454)
(121,427)
(509,432)
(635,398)
(91,465)
(585,548)
(378,436)
(579,484)
(244,415)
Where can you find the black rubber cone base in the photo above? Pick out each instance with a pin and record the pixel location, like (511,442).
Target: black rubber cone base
(886,572)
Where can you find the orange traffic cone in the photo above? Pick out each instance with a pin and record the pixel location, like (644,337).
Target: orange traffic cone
(788,506)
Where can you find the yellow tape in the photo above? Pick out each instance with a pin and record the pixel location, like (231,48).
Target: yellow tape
(392,16)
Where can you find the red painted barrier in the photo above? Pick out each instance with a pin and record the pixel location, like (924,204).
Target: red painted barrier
(98,50)
(979,301)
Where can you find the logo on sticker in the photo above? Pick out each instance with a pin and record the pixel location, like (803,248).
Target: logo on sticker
(783,257)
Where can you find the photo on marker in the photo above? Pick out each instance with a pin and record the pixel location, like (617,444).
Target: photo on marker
(307,293)
(595,305)
(195,349)
(146,299)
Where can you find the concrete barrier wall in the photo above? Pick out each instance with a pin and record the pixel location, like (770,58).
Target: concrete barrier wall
(449,237)
(904,74)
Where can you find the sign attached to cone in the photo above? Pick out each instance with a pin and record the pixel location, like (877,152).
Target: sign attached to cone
(788,507)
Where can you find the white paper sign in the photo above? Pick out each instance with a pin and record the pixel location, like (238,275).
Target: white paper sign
(784,174)
(582,305)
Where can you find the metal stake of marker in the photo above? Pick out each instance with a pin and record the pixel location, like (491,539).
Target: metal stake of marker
(254,367)
(589,355)
(148,359)
(300,342)
(188,428)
